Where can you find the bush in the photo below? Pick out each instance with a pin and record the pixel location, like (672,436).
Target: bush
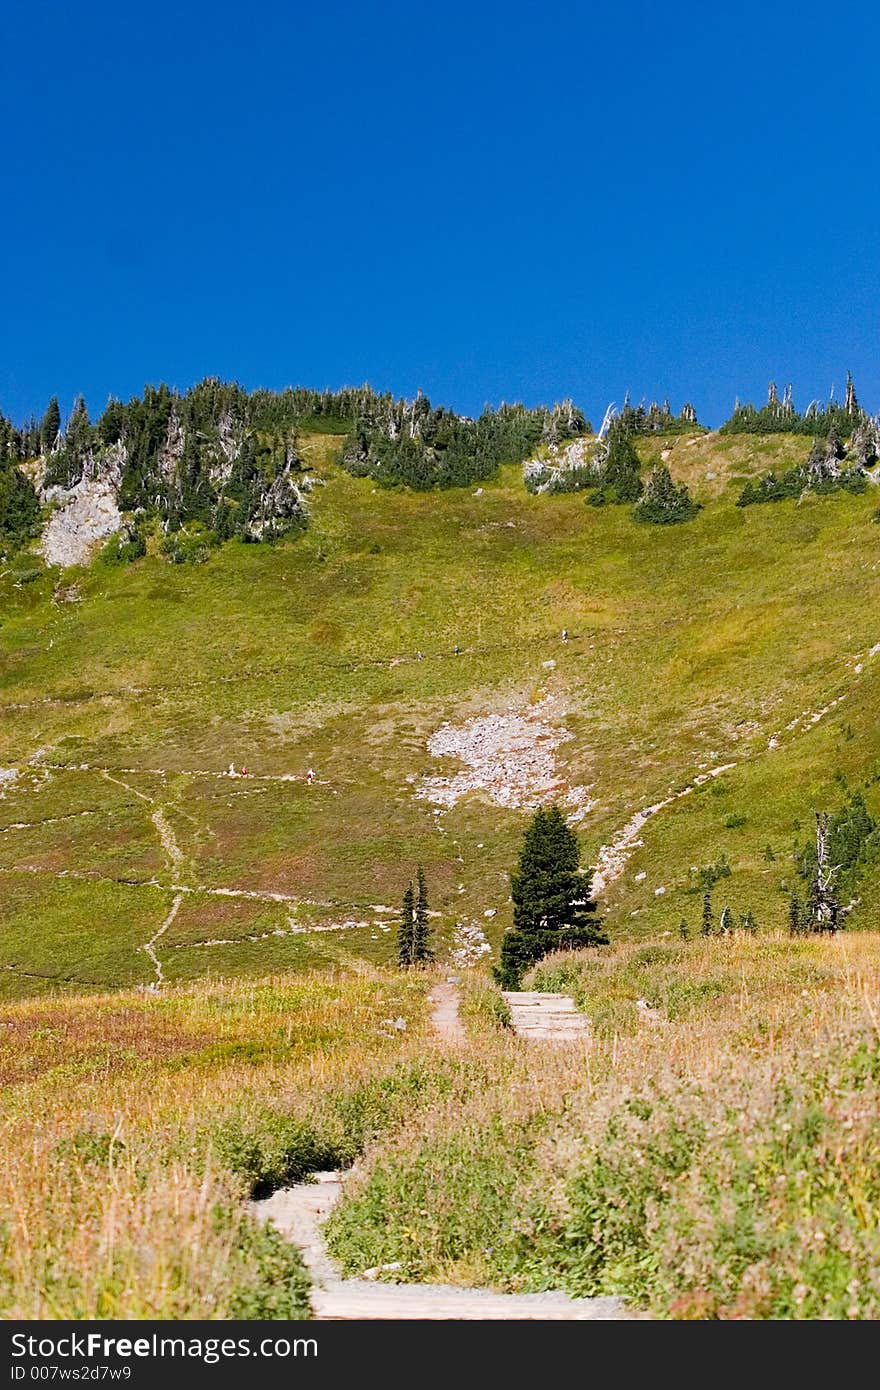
(191,545)
(664,502)
(271,1281)
(125,547)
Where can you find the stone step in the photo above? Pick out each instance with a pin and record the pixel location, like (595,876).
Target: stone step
(545,1016)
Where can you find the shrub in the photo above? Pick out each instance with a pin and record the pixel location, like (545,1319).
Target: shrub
(191,545)
(125,547)
(664,502)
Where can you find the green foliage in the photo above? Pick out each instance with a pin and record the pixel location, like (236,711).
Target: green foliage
(272,1283)
(821,473)
(621,479)
(550,909)
(216,455)
(853,845)
(191,545)
(126,546)
(50,426)
(710,874)
(19,509)
(796,481)
(561,480)
(407,929)
(271,1149)
(664,502)
(656,419)
(780,416)
(484,1006)
(412,444)
(421,931)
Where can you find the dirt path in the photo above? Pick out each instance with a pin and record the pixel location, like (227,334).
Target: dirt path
(445,1018)
(149,948)
(612,859)
(174,856)
(298,1213)
(546,1017)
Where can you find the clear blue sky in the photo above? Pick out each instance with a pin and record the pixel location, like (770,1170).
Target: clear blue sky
(519,201)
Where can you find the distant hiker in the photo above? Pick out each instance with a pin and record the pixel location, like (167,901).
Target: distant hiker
(419,655)
(244,771)
(310,776)
(565,634)
(457,650)
(232,771)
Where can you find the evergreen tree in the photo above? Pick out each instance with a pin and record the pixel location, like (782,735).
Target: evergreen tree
(794,915)
(406,930)
(706,926)
(51,426)
(622,471)
(19,509)
(747,922)
(551,906)
(684,930)
(664,502)
(422,953)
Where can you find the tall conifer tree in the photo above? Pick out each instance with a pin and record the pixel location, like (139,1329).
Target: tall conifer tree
(422,953)
(406,930)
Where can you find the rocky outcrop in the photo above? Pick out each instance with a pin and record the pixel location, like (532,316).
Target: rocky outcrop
(560,465)
(85,514)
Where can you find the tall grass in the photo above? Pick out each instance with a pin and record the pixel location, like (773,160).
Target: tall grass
(133,1128)
(720,1159)
(711,1150)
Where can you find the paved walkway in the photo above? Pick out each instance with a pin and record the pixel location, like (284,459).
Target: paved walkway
(298,1212)
(546,1017)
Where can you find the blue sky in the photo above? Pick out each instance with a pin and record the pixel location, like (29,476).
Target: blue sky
(490,202)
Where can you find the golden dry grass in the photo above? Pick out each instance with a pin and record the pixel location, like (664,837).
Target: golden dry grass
(718,1160)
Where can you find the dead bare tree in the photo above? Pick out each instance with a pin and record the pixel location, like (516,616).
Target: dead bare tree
(824,908)
(609,415)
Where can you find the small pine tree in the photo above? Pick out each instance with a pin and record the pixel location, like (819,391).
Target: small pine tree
(684,930)
(552,909)
(406,930)
(707,927)
(725,922)
(664,502)
(622,469)
(794,915)
(768,854)
(747,922)
(422,953)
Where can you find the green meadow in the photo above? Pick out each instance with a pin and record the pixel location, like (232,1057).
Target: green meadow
(126,692)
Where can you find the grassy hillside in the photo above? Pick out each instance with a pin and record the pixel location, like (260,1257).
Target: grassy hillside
(127,691)
(699,1157)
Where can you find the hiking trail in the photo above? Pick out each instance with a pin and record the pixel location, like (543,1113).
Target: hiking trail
(299,1212)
